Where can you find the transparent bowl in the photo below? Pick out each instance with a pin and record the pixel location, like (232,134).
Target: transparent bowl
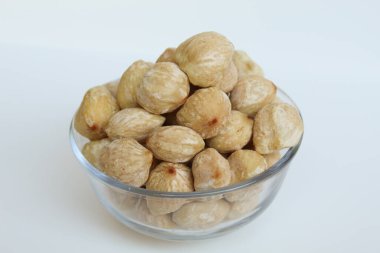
(203,214)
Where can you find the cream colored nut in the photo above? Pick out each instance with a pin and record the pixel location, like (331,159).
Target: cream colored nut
(175,144)
(168,177)
(210,170)
(246,164)
(112,86)
(92,151)
(234,135)
(277,126)
(229,80)
(127,161)
(244,194)
(272,158)
(122,200)
(133,122)
(245,65)
(204,57)
(251,94)
(240,209)
(167,56)
(96,109)
(201,215)
(164,88)
(129,82)
(142,214)
(206,111)
(277,100)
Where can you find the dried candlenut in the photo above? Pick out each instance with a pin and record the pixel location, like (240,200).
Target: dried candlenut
(210,170)
(206,111)
(272,158)
(133,122)
(96,109)
(168,177)
(167,56)
(277,126)
(164,88)
(201,215)
(130,81)
(252,93)
(234,135)
(229,79)
(246,164)
(93,149)
(245,65)
(127,161)
(113,86)
(240,209)
(176,144)
(204,58)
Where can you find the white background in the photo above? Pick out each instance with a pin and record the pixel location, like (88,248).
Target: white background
(325,54)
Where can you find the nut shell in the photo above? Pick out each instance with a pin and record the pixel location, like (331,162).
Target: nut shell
(210,170)
(164,88)
(127,161)
(175,144)
(251,94)
(167,56)
(206,111)
(204,57)
(92,151)
(201,215)
(245,164)
(234,135)
(133,122)
(277,126)
(129,82)
(245,65)
(168,177)
(96,109)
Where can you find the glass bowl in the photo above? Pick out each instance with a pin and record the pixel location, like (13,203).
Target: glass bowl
(203,214)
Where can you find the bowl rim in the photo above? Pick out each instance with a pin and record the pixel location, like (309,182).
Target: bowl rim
(274,169)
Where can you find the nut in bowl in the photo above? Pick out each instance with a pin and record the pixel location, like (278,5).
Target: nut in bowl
(203,174)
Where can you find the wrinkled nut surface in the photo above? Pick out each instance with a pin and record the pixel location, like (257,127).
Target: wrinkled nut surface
(210,170)
(129,82)
(168,177)
(206,111)
(204,57)
(127,161)
(92,151)
(200,215)
(141,213)
(234,135)
(246,164)
(175,144)
(167,56)
(240,209)
(277,126)
(164,88)
(230,78)
(272,158)
(245,65)
(113,86)
(133,122)
(252,93)
(96,109)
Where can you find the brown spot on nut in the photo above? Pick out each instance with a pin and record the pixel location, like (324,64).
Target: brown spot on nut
(96,109)
(205,111)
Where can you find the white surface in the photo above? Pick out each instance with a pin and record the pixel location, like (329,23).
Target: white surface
(325,54)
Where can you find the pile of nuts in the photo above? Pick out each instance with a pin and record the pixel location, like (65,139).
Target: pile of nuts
(200,118)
